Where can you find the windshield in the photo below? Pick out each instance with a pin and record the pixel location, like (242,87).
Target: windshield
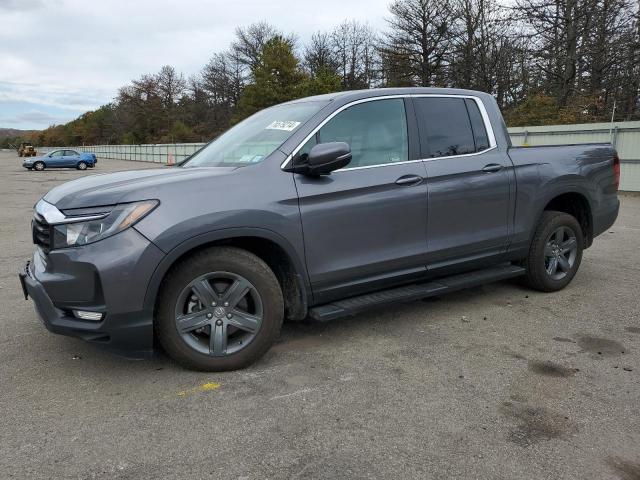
(253,139)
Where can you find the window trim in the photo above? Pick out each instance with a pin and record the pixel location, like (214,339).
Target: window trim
(481,107)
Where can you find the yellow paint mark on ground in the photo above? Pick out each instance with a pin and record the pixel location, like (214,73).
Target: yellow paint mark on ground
(205,387)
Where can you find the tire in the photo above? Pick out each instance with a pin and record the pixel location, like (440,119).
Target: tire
(182,299)
(81,166)
(39,166)
(555,252)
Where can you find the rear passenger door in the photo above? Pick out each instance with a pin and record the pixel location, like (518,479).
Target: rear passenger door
(71,158)
(468,182)
(364,225)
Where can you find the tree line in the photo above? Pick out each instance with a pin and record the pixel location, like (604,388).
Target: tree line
(545,61)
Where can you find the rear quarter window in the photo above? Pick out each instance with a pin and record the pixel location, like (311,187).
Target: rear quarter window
(477,125)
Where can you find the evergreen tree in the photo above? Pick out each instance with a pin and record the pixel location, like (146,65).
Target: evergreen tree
(277,77)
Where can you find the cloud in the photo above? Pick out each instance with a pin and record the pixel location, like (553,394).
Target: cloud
(36,116)
(20,4)
(32,116)
(53,94)
(73,55)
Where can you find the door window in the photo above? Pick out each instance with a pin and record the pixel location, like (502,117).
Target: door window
(376,131)
(70,153)
(57,154)
(477,124)
(445,126)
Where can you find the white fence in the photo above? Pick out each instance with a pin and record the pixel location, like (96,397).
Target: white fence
(625,136)
(156,153)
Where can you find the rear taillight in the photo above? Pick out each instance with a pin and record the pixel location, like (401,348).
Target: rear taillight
(616,170)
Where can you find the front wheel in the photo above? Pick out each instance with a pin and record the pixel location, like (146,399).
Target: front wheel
(39,166)
(555,253)
(220,309)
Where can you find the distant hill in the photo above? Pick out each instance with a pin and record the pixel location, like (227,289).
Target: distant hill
(13,132)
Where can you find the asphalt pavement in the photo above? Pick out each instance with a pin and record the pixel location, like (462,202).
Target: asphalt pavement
(496,382)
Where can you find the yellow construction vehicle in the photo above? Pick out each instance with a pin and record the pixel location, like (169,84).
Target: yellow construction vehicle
(26,150)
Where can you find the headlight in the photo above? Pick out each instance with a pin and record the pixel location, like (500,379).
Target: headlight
(109,223)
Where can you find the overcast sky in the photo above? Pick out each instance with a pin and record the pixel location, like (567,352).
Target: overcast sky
(60,58)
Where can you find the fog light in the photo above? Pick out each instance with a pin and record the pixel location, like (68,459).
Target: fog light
(84,315)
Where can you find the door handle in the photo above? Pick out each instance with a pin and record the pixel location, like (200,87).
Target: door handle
(409,180)
(492,168)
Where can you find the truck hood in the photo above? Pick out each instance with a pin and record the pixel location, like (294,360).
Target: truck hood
(128,186)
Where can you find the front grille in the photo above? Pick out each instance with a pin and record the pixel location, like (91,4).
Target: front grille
(41,232)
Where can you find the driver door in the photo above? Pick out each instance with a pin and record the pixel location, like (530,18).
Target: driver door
(364,225)
(56,159)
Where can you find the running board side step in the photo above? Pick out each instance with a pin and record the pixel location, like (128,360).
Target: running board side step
(417,291)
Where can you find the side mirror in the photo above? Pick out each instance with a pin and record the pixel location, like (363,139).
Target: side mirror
(324,158)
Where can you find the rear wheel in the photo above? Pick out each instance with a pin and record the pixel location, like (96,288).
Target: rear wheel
(39,166)
(555,253)
(221,309)
(82,166)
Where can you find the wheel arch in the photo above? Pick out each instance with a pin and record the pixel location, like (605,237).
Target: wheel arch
(576,204)
(275,250)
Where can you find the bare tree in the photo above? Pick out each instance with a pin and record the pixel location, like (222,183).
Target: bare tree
(222,79)
(488,51)
(319,54)
(556,30)
(354,47)
(171,85)
(630,104)
(250,40)
(607,46)
(421,33)
(140,109)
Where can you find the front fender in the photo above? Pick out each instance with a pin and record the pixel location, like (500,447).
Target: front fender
(204,239)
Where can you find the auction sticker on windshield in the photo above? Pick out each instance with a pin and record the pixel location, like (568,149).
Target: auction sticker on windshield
(282,125)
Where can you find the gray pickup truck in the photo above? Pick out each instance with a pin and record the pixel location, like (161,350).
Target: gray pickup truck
(317,208)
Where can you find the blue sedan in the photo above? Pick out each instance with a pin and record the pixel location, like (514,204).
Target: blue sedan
(62,159)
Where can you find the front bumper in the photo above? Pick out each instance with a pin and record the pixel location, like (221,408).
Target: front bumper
(27,164)
(109,276)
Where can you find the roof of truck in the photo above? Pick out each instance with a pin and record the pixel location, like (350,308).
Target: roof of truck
(377,92)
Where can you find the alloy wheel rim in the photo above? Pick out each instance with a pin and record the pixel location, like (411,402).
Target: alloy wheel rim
(219,313)
(560,252)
